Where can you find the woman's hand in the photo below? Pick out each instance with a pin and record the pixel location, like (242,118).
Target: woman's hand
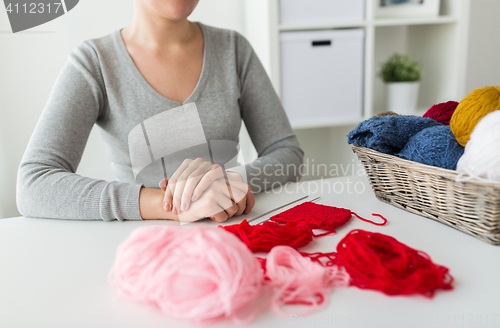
(193,177)
(216,202)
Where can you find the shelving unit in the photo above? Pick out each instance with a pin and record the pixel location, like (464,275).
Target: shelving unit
(438,43)
(415,21)
(283,28)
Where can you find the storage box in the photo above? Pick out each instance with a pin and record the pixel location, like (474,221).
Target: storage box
(322,75)
(321,11)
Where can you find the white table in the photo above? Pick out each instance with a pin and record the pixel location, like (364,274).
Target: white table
(53,273)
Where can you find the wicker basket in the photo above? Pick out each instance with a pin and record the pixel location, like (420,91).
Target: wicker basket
(472,207)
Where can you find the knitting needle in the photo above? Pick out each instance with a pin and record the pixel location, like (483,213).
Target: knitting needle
(315,199)
(258,217)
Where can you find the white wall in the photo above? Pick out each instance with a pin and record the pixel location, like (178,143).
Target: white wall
(483,66)
(30,62)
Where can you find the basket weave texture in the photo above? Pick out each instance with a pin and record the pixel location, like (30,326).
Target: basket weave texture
(472,207)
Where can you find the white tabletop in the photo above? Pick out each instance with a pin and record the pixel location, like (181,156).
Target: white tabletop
(53,273)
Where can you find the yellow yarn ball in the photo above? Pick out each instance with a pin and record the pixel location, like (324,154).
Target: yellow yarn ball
(471,110)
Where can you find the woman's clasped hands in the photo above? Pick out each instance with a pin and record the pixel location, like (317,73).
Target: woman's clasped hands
(200,189)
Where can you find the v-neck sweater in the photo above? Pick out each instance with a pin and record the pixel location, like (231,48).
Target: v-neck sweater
(144,132)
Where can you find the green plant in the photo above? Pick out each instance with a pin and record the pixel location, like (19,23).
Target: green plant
(400,68)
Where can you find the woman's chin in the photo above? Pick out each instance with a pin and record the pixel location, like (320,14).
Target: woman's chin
(174,10)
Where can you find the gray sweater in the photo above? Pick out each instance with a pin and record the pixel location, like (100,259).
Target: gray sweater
(147,135)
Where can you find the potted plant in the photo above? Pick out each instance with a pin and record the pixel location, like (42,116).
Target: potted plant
(402,76)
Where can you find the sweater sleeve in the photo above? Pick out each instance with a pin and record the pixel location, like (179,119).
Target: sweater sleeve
(279,153)
(47,185)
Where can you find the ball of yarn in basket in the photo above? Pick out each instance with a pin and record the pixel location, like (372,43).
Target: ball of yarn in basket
(388,134)
(442,112)
(434,146)
(472,109)
(481,159)
(199,274)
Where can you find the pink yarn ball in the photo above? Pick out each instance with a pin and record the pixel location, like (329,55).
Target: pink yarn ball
(198,274)
(298,280)
(442,112)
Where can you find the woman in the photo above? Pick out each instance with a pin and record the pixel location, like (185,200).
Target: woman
(162,90)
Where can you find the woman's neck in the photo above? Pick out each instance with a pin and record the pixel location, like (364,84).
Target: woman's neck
(155,32)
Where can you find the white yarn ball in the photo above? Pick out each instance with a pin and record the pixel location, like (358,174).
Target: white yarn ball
(481,159)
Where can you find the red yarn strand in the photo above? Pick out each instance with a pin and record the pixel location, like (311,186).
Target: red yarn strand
(325,259)
(324,234)
(372,222)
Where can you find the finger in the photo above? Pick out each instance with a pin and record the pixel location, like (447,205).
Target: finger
(191,184)
(163,184)
(208,209)
(242,204)
(176,195)
(219,217)
(231,211)
(181,182)
(235,195)
(221,187)
(215,173)
(186,217)
(216,204)
(167,199)
(250,200)
(222,197)
(206,206)
(238,186)
(239,198)
(235,176)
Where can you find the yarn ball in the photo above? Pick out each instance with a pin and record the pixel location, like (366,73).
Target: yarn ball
(472,109)
(481,159)
(296,279)
(388,134)
(199,274)
(434,146)
(380,262)
(442,112)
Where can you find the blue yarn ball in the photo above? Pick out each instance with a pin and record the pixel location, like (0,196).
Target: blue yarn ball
(388,134)
(434,146)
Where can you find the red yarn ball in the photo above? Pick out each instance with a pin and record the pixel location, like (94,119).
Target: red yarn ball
(380,262)
(442,112)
